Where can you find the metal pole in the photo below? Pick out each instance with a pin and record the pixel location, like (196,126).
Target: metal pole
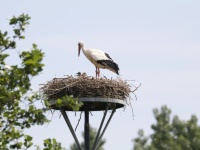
(100,127)
(104,129)
(87,131)
(70,128)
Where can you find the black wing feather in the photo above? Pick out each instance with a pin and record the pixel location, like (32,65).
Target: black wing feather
(110,64)
(108,56)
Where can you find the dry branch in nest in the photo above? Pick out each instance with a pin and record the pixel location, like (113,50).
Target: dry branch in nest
(86,86)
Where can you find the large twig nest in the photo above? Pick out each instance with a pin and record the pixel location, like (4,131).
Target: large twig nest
(86,86)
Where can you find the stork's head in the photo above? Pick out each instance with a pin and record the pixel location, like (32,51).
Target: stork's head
(80,46)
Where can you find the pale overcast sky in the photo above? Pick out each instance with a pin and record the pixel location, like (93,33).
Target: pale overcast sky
(156,43)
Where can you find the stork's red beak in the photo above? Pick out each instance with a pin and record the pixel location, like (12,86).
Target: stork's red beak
(79,50)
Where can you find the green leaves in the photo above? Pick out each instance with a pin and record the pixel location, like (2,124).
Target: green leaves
(170,133)
(22,20)
(20,24)
(5,42)
(52,144)
(141,141)
(70,102)
(18,110)
(31,60)
(27,141)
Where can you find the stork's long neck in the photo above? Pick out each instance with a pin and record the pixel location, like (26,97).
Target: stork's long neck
(83,49)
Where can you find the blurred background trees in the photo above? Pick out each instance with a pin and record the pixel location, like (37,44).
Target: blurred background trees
(170,133)
(93,134)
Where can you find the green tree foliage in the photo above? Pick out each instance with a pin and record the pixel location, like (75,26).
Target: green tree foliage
(17,101)
(93,134)
(68,101)
(52,144)
(170,134)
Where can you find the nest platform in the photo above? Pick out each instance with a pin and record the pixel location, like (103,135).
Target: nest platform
(95,94)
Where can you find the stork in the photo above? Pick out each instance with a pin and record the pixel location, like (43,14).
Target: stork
(99,59)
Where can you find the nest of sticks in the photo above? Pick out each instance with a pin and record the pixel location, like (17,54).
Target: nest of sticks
(87,86)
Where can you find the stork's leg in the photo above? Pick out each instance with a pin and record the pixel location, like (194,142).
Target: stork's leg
(96,72)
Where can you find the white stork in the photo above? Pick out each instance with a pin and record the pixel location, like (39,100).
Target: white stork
(99,59)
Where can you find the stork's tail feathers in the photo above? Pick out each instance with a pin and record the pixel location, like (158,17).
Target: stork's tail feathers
(109,64)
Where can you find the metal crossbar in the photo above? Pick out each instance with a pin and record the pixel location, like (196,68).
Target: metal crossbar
(70,128)
(98,138)
(100,127)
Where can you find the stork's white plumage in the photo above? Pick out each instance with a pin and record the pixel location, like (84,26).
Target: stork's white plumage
(99,59)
